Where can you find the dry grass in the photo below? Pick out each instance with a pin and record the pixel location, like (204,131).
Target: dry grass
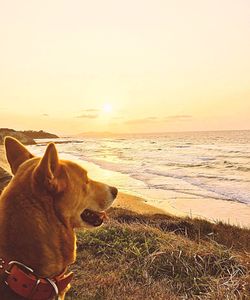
(161,257)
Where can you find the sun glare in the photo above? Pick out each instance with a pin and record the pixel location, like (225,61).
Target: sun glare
(107,108)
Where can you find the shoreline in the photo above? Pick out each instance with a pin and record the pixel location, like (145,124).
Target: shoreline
(228,212)
(213,210)
(233,213)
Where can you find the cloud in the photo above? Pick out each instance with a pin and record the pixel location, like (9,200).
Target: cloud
(92,110)
(89,113)
(118,118)
(88,116)
(179,118)
(174,118)
(142,121)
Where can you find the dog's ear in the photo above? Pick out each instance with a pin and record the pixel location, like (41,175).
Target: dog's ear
(47,172)
(16,153)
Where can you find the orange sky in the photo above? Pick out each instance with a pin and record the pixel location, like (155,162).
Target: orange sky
(160,65)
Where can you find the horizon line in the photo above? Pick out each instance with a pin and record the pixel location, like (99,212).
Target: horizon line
(156,132)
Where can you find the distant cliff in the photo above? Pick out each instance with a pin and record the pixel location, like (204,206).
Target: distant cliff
(40,134)
(25,137)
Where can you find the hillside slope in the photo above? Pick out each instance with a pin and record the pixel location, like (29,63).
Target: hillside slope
(161,257)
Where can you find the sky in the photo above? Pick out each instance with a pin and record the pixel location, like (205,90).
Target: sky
(125,66)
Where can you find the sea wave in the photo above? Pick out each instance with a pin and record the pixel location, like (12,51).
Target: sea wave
(202,164)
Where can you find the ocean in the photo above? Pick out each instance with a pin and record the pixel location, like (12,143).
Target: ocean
(159,167)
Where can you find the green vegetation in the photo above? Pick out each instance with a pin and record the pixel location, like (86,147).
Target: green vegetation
(161,257)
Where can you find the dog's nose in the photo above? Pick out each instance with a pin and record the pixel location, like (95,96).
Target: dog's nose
(114,191)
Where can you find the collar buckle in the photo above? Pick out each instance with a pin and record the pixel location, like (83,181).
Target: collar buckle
(19,264)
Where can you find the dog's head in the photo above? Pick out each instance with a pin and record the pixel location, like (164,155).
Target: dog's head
(78,200)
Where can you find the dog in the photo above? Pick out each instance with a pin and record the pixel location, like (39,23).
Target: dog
(44,202)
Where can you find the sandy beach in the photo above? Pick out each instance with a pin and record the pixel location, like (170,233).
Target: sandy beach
(214,210)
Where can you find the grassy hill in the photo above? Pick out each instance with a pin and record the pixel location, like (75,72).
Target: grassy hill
(161,257)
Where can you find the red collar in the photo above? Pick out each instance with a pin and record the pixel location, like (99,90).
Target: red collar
(23,281)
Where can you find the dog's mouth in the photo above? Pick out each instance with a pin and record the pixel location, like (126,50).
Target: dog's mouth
(93,218)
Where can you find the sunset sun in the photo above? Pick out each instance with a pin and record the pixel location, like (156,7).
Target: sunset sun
(107,108)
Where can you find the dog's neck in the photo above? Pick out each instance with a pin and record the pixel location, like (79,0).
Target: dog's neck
(32,235)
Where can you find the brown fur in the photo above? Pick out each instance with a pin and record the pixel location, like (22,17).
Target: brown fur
(41,207)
